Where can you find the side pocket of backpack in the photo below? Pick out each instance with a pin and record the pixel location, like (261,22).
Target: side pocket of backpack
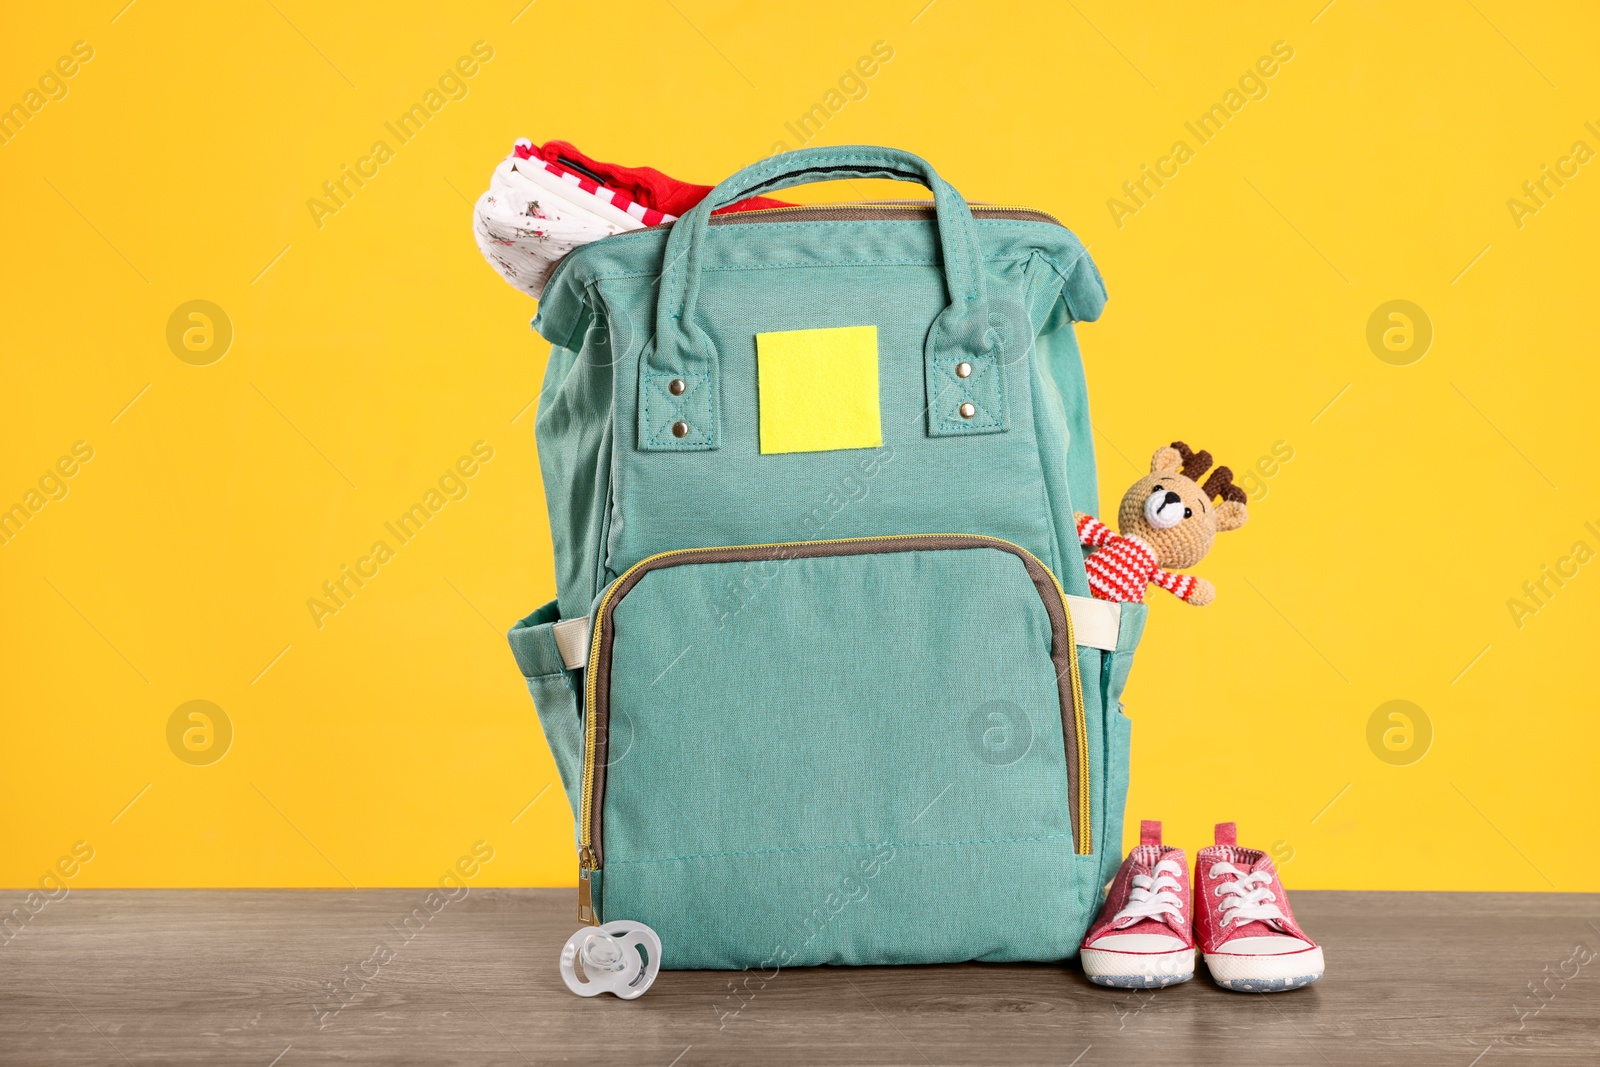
(1119,735)
(555,691)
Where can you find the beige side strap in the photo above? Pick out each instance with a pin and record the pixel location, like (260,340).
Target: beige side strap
(1095,623)
(572,640)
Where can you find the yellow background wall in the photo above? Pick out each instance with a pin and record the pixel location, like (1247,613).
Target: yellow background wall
(370,352)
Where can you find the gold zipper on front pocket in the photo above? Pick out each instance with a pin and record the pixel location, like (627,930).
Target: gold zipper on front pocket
(1064,645)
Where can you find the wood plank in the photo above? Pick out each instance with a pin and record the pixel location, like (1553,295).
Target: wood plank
(243,976)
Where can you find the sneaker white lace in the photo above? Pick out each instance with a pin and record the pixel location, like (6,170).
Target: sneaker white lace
(1246,898)
(1154,894)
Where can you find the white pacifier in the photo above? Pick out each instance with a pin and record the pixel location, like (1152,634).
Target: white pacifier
(620,957)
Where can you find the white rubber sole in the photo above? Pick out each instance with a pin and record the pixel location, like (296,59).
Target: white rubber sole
(1265,974)
(1137,970)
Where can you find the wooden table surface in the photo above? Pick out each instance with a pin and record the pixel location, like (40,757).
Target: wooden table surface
(244,976)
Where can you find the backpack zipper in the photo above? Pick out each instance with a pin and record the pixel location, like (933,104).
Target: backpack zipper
(843,211)
(589,847)
(853,210)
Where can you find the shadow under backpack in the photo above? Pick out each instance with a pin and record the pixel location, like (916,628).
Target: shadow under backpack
(824,682)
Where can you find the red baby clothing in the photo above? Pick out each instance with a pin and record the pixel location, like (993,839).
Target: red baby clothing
(642,185)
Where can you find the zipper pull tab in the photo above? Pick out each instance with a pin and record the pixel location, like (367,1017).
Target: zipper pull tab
(585,897)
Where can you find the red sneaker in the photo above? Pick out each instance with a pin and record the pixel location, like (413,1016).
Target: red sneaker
(1247,932)
(1143,937)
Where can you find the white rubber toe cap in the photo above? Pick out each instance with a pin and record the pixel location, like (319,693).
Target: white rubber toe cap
(1265,968)
(1136,961)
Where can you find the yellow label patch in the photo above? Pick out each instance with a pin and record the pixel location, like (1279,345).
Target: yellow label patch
(818,389)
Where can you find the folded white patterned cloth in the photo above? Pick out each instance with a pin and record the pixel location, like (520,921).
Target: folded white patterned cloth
(535,212)
(545,200)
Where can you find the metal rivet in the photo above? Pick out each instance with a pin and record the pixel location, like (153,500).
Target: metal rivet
(967,411)
(681,429)
(963,370)
(676,387)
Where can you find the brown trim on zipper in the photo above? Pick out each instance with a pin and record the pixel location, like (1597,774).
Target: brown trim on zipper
(869,212)
(1061,647)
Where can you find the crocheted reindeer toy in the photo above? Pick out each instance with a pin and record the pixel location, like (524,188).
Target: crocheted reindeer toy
(1168,520)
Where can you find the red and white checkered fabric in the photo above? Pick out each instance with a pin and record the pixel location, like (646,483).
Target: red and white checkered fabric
(1122,568)
(622,201)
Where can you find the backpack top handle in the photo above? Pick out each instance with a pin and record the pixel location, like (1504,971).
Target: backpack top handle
(978,326)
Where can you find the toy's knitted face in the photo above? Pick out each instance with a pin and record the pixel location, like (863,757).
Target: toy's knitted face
(1171,512)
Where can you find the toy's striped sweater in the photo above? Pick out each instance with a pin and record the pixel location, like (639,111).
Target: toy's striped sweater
(1121,568)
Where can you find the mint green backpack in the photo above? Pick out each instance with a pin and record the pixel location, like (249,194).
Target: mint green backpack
(824,681)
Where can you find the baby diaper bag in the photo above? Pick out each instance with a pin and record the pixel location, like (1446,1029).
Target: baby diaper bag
(823,681)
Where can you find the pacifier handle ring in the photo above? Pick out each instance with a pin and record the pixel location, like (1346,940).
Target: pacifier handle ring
(638,972)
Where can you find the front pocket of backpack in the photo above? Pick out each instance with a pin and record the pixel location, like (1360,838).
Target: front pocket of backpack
(833,749)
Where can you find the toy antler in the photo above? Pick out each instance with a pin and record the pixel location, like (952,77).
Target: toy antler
(1221,484)
(1195,463)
